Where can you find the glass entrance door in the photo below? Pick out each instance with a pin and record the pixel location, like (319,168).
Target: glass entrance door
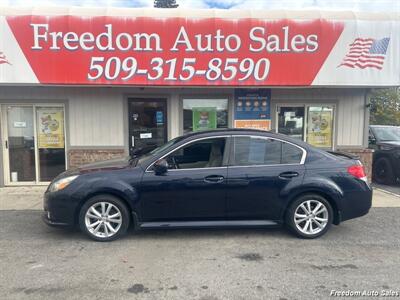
(34,143)
(21,144)
(147,124)
(291,121)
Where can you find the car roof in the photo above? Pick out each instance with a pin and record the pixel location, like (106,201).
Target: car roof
(376,126)
(243,131)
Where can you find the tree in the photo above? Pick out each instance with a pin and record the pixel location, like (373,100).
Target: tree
(165,4)
(385,107)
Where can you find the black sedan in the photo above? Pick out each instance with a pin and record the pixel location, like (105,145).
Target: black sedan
(385,140)
(220,178)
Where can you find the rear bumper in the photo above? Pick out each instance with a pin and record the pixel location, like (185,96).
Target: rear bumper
(356,204)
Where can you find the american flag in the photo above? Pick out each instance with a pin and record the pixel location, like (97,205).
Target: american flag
(366,53)
(3,59)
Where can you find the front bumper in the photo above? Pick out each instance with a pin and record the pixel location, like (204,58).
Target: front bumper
(46,219)
(59,209)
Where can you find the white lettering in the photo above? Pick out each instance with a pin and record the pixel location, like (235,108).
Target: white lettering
(70,37)
(182,39)
(37,36)
(237,40)
(312,40)
(298,40)
(257,39)
(147,38)
(85,39)
(128,39)
(108,37)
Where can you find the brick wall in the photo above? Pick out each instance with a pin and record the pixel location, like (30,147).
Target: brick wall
(365,156)
(77,157)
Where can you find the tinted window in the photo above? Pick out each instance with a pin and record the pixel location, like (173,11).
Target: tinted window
(202,154)
(291,154)
(259,151)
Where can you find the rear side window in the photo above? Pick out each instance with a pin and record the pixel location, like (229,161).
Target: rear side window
(291,154)
(249,151)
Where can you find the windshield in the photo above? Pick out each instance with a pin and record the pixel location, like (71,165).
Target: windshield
(158,150)
(387,133)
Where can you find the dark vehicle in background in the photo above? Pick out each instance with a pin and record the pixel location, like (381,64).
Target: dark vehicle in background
(385,140)
(219,178)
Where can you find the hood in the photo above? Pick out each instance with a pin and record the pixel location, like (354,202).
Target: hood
(395,144)
(112,164)
(107,165)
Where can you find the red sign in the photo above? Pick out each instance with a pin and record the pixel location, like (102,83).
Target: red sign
(174,51)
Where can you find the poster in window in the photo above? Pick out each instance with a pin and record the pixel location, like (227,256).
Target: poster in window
(50,122)
(252,108)
(319,131)
(204,118)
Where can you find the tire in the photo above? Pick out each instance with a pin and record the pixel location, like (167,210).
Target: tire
(110,214)
(296,209)
(383,171)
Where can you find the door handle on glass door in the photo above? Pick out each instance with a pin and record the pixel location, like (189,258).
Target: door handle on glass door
(288,175)
(214,179)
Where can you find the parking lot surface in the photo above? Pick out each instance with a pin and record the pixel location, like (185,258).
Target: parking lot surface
(38,262)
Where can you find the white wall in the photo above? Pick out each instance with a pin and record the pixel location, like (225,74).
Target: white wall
(97,117)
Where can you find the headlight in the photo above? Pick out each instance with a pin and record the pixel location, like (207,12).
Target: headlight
(61,183)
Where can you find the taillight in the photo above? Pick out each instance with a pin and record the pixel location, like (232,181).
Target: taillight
(358,172)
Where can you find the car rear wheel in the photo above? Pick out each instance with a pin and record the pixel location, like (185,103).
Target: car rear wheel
(309,216)
(104,218)
(383,171)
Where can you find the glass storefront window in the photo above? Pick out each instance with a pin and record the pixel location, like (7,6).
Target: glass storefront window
(204,114)
(320,126)
(34,155)
(310,123)
(50,141)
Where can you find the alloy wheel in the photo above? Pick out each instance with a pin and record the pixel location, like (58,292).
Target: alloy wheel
(311,217)
(103,219)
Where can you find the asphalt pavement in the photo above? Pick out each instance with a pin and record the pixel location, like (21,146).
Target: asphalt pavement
(39,262)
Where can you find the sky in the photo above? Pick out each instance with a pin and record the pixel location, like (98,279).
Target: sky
(355,5)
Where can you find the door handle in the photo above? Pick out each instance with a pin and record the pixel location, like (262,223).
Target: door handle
(214,179)
(288,175)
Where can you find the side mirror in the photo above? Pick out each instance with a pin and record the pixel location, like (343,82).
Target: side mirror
(372,140)
(160,167)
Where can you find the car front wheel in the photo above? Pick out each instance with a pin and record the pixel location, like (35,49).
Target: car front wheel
(104,218)
(309,216)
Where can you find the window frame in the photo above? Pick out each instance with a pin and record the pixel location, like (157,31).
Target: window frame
(225,159)
(224,96)
(232,154)
(307,103)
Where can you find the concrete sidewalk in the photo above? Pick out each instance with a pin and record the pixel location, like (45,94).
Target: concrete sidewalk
(30,198)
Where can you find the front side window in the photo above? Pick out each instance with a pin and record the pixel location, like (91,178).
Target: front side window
(249,151)
(206,153)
